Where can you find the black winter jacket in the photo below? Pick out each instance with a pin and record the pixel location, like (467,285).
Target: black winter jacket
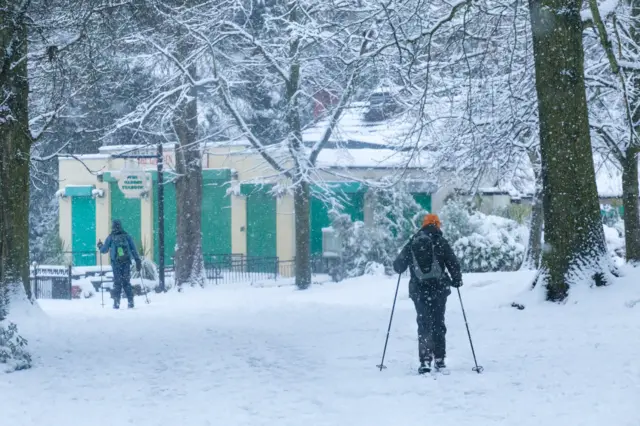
(444,255)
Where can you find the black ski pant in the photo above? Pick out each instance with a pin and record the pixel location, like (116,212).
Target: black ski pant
(430,308)
(121,280)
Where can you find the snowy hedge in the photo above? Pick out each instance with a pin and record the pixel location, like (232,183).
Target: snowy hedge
(483,243)
(372,248)
(13,349)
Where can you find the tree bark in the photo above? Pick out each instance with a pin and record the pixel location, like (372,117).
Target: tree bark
(189,261)
(534,248)
(15,149)
(630,196)
(301,189)
(574,237)
(301,199)
(630,183)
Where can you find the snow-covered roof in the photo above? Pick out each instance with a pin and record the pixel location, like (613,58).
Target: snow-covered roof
(371,158)
(353,127)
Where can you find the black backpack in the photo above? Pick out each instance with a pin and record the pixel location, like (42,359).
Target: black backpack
(121,247)
(434,271)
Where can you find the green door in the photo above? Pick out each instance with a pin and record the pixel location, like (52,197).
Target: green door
(127,210)
(261,229)
(216,219)
(83,231)
(169,222)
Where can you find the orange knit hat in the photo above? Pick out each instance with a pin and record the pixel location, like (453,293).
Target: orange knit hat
(431,219)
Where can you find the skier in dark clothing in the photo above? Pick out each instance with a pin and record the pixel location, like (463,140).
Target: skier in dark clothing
(121,250)
(426,255)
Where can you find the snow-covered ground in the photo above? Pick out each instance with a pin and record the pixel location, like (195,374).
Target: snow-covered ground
(234,355)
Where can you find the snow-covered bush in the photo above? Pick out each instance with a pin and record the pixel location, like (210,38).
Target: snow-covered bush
(366,248)
(13,349)
(614,237)
(87,289)
(149,270)
(356,247)
(483,243)
(456,220)
(498,251)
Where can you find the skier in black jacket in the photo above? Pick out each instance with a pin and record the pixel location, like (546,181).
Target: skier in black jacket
(426,255)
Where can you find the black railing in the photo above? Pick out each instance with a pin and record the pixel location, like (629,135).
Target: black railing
(220,269)
(51,283)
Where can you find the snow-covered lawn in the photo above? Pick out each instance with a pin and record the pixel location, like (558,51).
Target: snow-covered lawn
(234,355)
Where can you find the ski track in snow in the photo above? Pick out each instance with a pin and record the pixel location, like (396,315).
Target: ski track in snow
(275,356)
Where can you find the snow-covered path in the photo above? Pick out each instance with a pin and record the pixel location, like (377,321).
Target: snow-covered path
(276,356)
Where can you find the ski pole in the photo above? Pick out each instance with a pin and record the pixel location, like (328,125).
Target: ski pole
(101,279)
(478,368)
(393,308)
(144,289)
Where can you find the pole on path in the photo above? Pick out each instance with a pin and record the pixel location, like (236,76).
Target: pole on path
(393,308)
(478,368)
(160,218)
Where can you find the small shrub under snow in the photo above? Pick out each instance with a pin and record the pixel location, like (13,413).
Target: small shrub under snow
(13,349)
(498,251)
(372,248)
(483,243)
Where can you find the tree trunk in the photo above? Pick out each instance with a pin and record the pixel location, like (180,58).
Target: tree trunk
(630,166)
(534,248)
(301,189)
(301,197)
(15,140)
(574,237)
(189,262)
(630,195)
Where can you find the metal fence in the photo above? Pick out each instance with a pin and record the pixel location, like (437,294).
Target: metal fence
(221,269)
(51,282)
(236,268)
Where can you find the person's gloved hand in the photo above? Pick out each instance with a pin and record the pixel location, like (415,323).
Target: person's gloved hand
(100,245)
(138,265)
(456,284)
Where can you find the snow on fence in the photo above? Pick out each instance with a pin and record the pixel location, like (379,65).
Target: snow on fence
(57,281)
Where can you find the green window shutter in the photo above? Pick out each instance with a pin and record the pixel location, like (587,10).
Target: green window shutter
(83,231)
(216,217)
(128,211)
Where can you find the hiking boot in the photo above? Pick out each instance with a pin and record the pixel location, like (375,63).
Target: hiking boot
(425,367)
(439,364)
(130,305)
(116,305)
